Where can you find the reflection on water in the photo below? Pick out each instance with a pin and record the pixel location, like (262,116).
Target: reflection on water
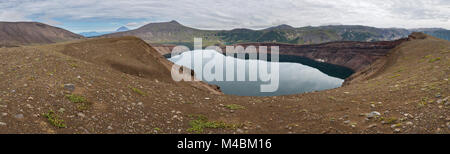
(294,78)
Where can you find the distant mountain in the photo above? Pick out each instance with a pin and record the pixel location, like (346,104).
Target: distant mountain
(95,34)
(122,29)
(175,33)
(166,32)
(280,27)
(26,33)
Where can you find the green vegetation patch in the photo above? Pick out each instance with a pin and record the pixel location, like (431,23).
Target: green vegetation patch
(391,120)
(82,103)
(201,122)
(54,119)
(332,98)
(427,56)
(394,76)
(140,92)
(423,102)
(434,59)
(76,98)
(73,65)
(234,106)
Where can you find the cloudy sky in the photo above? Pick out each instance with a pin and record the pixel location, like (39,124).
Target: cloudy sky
(107,15)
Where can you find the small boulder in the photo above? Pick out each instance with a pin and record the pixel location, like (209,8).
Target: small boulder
(372,126)
(347,122)
(69,87)
(373,114)
(81,115)
(19,116)
(438,95)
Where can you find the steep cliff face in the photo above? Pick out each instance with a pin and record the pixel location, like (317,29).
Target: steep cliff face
(354,55)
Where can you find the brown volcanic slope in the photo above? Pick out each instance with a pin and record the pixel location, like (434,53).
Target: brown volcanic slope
(409,88)
(25,33)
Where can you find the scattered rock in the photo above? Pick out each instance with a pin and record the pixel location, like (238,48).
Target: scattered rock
(109,128)
(19,116)
(69,87)
(61,110)
(409,123)
(397,130)
(239,131)
(372,126)
(373,114)
(394,126)
(347,122)
(81,115)
(2,124)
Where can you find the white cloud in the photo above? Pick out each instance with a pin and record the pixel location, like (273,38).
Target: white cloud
(132,24)
(219,14)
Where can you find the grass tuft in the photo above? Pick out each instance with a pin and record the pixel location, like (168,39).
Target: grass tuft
(234,106)
(201,122)
(394,76)
(82,103)
(140,92)
(332,98)
(434,59)
(391,120)
(54,119)
(76,98)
